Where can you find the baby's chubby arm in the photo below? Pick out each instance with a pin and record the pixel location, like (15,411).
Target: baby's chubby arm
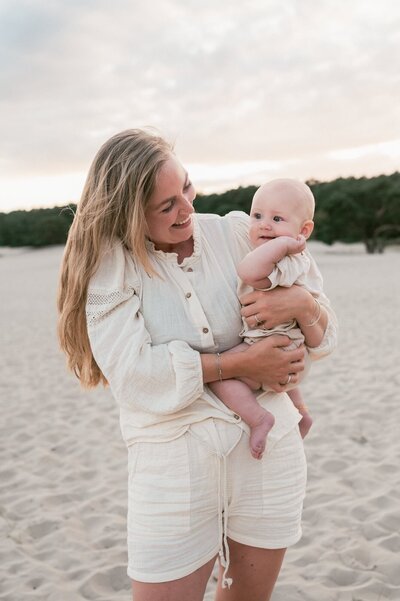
(258,264)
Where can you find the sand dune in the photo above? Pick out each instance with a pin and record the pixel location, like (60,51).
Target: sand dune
(63,466)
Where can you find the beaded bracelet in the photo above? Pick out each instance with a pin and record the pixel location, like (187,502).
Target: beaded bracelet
(316,320)
(219,369)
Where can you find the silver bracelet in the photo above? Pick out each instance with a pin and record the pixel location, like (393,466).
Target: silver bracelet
(316,320)
(219,369)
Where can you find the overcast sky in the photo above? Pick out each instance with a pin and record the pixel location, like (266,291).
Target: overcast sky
(248,90)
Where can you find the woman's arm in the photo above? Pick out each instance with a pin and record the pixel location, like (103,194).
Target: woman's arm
(159,379)
(165,378)
(314,329)
(283,304)
(266,361)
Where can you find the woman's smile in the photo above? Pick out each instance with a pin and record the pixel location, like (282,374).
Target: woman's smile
(184,223)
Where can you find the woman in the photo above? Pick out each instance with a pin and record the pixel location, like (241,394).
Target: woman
(148,305)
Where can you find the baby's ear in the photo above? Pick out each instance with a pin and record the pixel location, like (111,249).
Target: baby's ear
(307,228)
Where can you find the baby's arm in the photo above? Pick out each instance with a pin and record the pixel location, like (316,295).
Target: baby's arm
(258,264)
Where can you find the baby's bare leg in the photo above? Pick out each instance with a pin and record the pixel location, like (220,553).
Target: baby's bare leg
(306,421)
(239,349)
(236,395)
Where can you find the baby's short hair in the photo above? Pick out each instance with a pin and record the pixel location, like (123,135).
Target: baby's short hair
(305,193)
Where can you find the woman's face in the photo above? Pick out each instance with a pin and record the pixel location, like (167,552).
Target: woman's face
(169,211)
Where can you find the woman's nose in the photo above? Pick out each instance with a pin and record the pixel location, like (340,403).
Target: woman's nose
(187,205)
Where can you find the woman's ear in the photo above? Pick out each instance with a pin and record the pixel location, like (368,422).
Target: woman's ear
(307,228)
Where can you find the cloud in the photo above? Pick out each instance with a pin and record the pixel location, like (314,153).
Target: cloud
(229,81)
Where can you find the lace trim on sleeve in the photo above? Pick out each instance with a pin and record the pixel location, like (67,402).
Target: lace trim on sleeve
(102,303)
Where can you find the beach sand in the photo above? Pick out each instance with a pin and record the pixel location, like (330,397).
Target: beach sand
(63,463)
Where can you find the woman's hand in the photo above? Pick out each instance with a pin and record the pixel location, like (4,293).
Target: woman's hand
(270,308)
(269,362)
(266,361)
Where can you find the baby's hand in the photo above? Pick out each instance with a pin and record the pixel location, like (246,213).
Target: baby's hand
(295,245)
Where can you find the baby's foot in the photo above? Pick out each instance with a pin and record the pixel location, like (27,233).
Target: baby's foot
(258,434)
(305,424)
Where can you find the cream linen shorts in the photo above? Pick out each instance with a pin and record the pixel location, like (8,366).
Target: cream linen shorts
(188,495)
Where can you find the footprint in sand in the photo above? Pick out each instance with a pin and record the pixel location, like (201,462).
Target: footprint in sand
(103,584)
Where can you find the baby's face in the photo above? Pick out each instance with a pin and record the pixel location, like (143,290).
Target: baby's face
(275,211)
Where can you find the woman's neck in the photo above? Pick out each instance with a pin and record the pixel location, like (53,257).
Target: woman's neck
(183,249)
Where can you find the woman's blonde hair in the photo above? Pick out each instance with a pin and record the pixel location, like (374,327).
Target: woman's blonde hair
(119,184)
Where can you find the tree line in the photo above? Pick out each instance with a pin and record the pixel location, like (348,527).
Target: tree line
(347,210)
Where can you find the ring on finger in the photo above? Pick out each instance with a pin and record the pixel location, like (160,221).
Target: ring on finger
(258,320)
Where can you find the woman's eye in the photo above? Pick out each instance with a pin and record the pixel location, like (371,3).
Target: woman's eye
(277,218)
(168,208)
(187,186)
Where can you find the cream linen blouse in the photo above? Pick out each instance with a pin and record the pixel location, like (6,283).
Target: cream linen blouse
(147,333)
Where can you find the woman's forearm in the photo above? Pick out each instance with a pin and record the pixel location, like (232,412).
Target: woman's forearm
(312,322)
(220,366)
(276,306)
(267,361)
(284,304)
(314,330)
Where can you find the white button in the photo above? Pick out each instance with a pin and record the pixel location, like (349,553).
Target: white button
(190,269)
(236,416)
(205,330)
(188,294)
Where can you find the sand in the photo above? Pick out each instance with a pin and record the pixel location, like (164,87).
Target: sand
(63,464)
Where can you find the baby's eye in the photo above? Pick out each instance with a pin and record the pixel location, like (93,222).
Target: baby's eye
(277,218)
(256,215)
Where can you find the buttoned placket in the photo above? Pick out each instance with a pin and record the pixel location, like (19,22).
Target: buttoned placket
(199,318)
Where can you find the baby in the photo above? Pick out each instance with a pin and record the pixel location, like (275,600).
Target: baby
(281,216)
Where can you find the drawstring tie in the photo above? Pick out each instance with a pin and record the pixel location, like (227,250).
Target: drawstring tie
(223,521)
(204,434)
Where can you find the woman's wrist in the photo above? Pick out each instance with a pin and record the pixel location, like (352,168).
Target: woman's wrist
(221,366)
(306,310)
(313,323)
(316,317)
(218,366)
